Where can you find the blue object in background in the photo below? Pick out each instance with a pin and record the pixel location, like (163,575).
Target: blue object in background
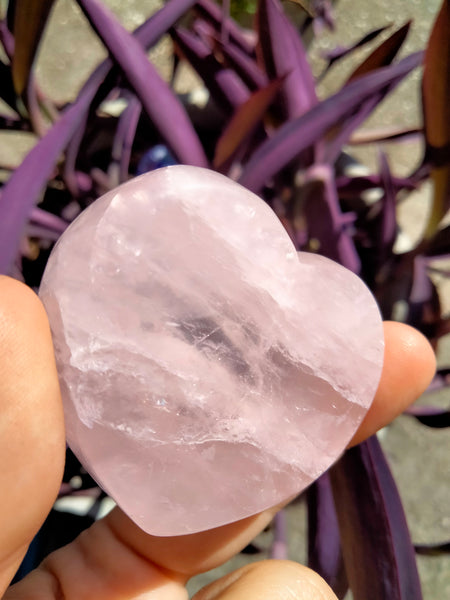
(158,156)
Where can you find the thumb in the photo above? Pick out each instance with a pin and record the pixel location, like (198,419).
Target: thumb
(268,580)
(32,443)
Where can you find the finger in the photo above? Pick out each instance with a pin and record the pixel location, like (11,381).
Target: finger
(268,580)
(31,423)
(409,366)
(100,566)
(194,553)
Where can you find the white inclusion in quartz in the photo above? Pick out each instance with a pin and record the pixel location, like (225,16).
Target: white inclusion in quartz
(207,371)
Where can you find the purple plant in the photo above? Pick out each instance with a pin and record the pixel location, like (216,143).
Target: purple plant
(264,126)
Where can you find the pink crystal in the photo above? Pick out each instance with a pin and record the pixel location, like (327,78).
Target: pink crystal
(208,371)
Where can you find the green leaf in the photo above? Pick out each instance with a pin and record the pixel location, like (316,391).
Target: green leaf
(30,17)
(436,107)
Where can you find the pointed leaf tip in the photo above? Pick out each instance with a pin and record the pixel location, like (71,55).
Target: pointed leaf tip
(384,54)
(30,18)
(436,108)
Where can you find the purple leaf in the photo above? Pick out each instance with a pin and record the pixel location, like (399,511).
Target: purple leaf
(326,224)
(440,381)
(323,16)
(388,224)
(279,549)
(245,66)
(436,111)
(43,233)
(25,184)
(440,243)
(11,123)
(48,220)
(244,121)
(7,40)
(30,19)
(353,187)
(337,138)
(161,104)
(294,137)
(7,93)
(376,544)
(324,544)
(204,31)
(33,106)
(281,51)
(212,13)
(384,54)
(424,304)
(422,287)
(149,33)
(123,140)
(433,549)
(341,51)
(386,134)
(227,89)
(431,416)
(10,14)
(70,174)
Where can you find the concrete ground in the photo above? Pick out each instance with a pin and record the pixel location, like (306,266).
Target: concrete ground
(420,457)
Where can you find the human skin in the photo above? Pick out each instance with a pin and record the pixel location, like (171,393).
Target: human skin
(114,559)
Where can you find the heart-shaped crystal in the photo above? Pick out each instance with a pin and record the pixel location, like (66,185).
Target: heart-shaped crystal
(208,371)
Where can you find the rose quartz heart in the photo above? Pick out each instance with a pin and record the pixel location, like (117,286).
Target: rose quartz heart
(208,371)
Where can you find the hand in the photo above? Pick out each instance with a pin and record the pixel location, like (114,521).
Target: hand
(114,558)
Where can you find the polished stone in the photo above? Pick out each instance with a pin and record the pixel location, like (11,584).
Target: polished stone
(208,371)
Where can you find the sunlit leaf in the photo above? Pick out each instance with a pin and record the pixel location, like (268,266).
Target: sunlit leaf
(280,50)
(30,17)
(227,89)
(22,190)
(213,13)
(327,226)
(244,65)
(244,120)
(384,134)
(436,105)
(384,54)
(432,416)
(340,52)
(24,186)
(307,6)
(433,549)
(161,104)
(299,134)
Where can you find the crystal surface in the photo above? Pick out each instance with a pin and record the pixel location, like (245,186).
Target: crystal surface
(208,371)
